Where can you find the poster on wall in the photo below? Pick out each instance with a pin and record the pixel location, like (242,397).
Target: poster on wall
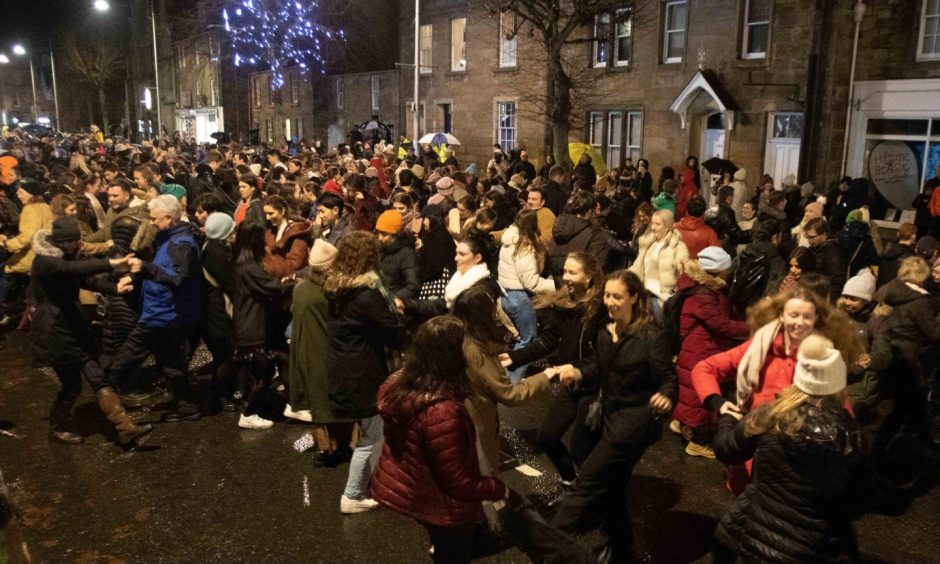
(893,169)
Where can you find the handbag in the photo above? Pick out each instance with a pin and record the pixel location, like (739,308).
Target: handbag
(595,414)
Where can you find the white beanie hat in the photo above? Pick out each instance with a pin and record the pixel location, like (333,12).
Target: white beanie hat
(862,285)
(714,259)
(255,169)
(820,370)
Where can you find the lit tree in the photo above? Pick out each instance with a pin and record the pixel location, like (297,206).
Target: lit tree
(279,34)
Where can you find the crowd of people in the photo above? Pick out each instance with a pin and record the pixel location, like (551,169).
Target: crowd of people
(393,299)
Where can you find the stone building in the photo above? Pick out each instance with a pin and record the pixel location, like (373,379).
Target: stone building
(280,114)
(764,83)
(367,103)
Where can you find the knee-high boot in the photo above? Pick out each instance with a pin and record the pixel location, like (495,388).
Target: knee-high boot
(60,418)
(111,406)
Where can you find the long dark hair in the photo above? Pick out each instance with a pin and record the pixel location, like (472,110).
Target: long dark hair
(435,362)
(249,242)
(642,311)
(476,307)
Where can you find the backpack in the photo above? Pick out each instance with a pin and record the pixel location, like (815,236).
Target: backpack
(749,281)
(672,312)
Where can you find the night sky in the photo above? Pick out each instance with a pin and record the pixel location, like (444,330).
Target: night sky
(34,22)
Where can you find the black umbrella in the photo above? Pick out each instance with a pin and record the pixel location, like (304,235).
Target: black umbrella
(716,165)
(221,137)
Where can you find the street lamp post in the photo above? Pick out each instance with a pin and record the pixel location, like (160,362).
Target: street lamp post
(20,50)
(55,89)
(104,6)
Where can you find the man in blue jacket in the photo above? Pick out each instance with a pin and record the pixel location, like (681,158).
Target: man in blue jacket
(171,307)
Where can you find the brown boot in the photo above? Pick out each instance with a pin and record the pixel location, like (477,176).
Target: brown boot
(111,406)
(60,417)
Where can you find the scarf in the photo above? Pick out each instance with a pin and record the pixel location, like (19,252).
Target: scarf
(753,361)
(462,281)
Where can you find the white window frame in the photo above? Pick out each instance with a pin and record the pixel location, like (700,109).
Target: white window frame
(601,43)
(212,98)
(667,32)
(508,47)
(596,141)
(633,145)
(375,90)
(458,45)
(425,44)
(614,134)
(180,57)
(921,56)
(340,93)
(514,124)
(616,35)
(745,54)
(257,90)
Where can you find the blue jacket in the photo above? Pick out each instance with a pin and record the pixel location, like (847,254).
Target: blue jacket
(172,289)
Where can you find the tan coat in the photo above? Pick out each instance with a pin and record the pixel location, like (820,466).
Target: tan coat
(669,265)
(490,387)
(33,218)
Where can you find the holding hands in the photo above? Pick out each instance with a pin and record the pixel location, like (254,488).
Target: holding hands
(125,285)
(731,409)
(566,374)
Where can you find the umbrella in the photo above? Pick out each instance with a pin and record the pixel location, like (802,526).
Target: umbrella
(717,165)
(575,150)
(438,139)
(371,125)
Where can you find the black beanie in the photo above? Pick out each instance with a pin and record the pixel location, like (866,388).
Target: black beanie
(65,229)
(34,187)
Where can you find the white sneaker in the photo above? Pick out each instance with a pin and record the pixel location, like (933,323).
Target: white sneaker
(254,422)
(300,415)
(350,506)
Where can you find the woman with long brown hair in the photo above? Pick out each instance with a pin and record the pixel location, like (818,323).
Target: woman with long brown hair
(568,320)
(364,327)
(637,384)
(521,259)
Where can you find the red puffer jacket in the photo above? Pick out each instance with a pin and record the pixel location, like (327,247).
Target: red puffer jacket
(429,469)
(705,328)
(696,235)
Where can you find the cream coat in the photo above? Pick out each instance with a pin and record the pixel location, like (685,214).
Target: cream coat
(520,272)
(671,257)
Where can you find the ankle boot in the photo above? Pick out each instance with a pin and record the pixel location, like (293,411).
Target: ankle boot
(60,417)
(111,406)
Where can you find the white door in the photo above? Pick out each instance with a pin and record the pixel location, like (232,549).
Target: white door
(287,131)
(783,158)
(713,137)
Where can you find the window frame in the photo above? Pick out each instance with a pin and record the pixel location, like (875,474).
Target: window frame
(294,89)
(375,87)
(667,32)
(498,129)
(424,63)
(745,36)
(612,135)
(627,145)
(503,42)
(598,43)
(339,93)
(615,37)
(256,90)
(921,31)
(454,62)
(596,117)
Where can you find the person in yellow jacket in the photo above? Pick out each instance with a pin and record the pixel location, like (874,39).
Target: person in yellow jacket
(402,150)
(36,215)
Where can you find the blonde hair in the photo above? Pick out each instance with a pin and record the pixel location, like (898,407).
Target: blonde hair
(666,216)
(782,415)
(914,270)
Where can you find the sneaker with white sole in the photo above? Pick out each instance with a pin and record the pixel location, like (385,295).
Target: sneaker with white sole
(299,415)
(350,506)
(254,422)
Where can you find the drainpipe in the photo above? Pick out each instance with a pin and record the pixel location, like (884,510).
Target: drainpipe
(859,13)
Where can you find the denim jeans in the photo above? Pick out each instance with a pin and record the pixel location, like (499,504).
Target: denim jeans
(365,457)
(519,308)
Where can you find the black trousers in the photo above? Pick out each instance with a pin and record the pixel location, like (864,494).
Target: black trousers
(70,377)
(453,544)
(599,495)
(170,348)
(568,407)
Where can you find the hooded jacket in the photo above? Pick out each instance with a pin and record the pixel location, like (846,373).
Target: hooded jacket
(797,507)
(909,328)
(705,328)
(696,235)
(669,264)
(255,289)
(429,469)
(520,272)
(33,217)
(570,234)
(60,334)
(172,290)
(399,267)
(891,262)
(287,255)
(741,192)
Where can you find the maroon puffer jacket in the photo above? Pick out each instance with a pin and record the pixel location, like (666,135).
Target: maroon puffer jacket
(429,469)
(706,328)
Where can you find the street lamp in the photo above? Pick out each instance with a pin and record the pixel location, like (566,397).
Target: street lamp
(4,59)
(104,6)
(20,50)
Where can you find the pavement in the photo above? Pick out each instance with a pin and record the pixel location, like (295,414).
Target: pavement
(208,491)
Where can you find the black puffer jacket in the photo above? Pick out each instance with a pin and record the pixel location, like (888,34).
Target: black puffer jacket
(570,234)
(832,261)
(796,507)
(858,247)
(891,262)
(721,218)
(564,331)
(399,269)
(908,329)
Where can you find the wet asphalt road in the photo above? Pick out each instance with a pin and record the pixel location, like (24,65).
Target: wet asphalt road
(208,491)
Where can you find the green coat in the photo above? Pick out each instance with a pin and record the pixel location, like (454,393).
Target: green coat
(310,351)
